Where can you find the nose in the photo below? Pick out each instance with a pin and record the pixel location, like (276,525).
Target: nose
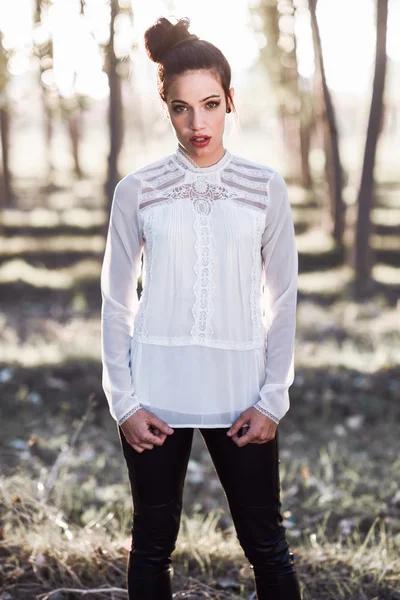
(197,121)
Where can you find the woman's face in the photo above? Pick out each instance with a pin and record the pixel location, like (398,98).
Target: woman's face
(197,107)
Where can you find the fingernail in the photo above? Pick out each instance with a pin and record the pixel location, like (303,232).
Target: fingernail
(229,432)
(170,430)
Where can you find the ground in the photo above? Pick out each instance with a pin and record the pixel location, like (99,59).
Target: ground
(65,510)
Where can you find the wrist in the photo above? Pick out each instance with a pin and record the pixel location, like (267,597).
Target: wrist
(266,413)
(131,412)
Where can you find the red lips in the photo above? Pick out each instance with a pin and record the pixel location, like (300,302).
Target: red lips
(200,144)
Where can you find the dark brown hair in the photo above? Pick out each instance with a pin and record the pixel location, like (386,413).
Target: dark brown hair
(176,51)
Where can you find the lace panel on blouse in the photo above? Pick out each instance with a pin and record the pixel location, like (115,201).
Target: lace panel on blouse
(243,183)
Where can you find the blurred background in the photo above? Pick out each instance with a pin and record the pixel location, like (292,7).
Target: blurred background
(317,88)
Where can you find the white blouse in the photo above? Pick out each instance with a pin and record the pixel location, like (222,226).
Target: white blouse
(213,332)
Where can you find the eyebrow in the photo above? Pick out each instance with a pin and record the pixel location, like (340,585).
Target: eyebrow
(204,99)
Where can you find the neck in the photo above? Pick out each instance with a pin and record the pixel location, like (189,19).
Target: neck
(205,161)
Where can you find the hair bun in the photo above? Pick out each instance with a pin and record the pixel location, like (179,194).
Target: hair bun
(163,35)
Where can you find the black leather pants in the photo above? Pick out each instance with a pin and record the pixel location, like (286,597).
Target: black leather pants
(250,479)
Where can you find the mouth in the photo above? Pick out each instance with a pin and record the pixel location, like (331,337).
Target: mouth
(200,140)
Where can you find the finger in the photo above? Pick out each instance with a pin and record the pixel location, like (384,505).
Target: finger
(161,425)
(162,436)
(246,438)
(137,448)
(239,434)
(238,424)
(158,441)
(146,446)
(269,439)
(150,438)
(144,442)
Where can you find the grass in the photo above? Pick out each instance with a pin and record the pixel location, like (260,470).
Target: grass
(65,506)
(65,502)
(44,548)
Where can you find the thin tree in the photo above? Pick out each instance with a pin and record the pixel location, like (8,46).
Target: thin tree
(6,192)
(43,49)
(326,117)
(363,259)
(279,59)
(72,109)
(115,119)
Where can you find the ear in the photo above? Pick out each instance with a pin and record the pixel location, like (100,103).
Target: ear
(166,112)
(232,92)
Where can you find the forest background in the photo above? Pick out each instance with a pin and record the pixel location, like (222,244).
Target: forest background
(317,88)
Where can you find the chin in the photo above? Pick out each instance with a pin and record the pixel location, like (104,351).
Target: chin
(207,150)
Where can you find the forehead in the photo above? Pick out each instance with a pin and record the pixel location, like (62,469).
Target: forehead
(193,85)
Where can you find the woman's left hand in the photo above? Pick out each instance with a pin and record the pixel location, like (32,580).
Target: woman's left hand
(261,428)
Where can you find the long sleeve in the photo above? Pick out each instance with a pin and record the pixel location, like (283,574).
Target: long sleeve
(280,263)
(119,276)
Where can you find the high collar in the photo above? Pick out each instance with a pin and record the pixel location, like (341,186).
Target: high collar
(188,163)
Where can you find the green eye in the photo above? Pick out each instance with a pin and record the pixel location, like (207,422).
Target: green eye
(212,103)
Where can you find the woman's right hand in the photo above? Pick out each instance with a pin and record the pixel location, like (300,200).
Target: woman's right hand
(143,430)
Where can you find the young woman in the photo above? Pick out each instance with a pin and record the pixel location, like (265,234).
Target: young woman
(210,344)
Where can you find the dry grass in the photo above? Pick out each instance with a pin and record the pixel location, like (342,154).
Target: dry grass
(65,504)
(61,529)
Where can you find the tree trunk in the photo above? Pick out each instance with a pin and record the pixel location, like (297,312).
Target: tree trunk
(74,122)
(6,190)
(48,137)
(336,207)
(45,55)
(362,250)
(281,66)
(6,193)
(306,130)
(115,108)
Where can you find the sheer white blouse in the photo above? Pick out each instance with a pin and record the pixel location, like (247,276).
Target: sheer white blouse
(213,331)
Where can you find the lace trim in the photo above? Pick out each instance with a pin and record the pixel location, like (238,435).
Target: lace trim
(179,190)
(266,413)
(158,166)
(256,277)
(188,163)
(154,199)
(165,188)
(129,414)
(252,184)
(244,192)
(257,206)
(163,173)
(164,179)
(204,287)
(149,235)
(157,201)
(176,192)
(160,340)
(250,168)
(201,187)
(202,194)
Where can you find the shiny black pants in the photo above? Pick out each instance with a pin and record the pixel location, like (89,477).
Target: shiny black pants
(250,479)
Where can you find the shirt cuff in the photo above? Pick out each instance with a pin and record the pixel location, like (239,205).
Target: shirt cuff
(131,412)
(266,412)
